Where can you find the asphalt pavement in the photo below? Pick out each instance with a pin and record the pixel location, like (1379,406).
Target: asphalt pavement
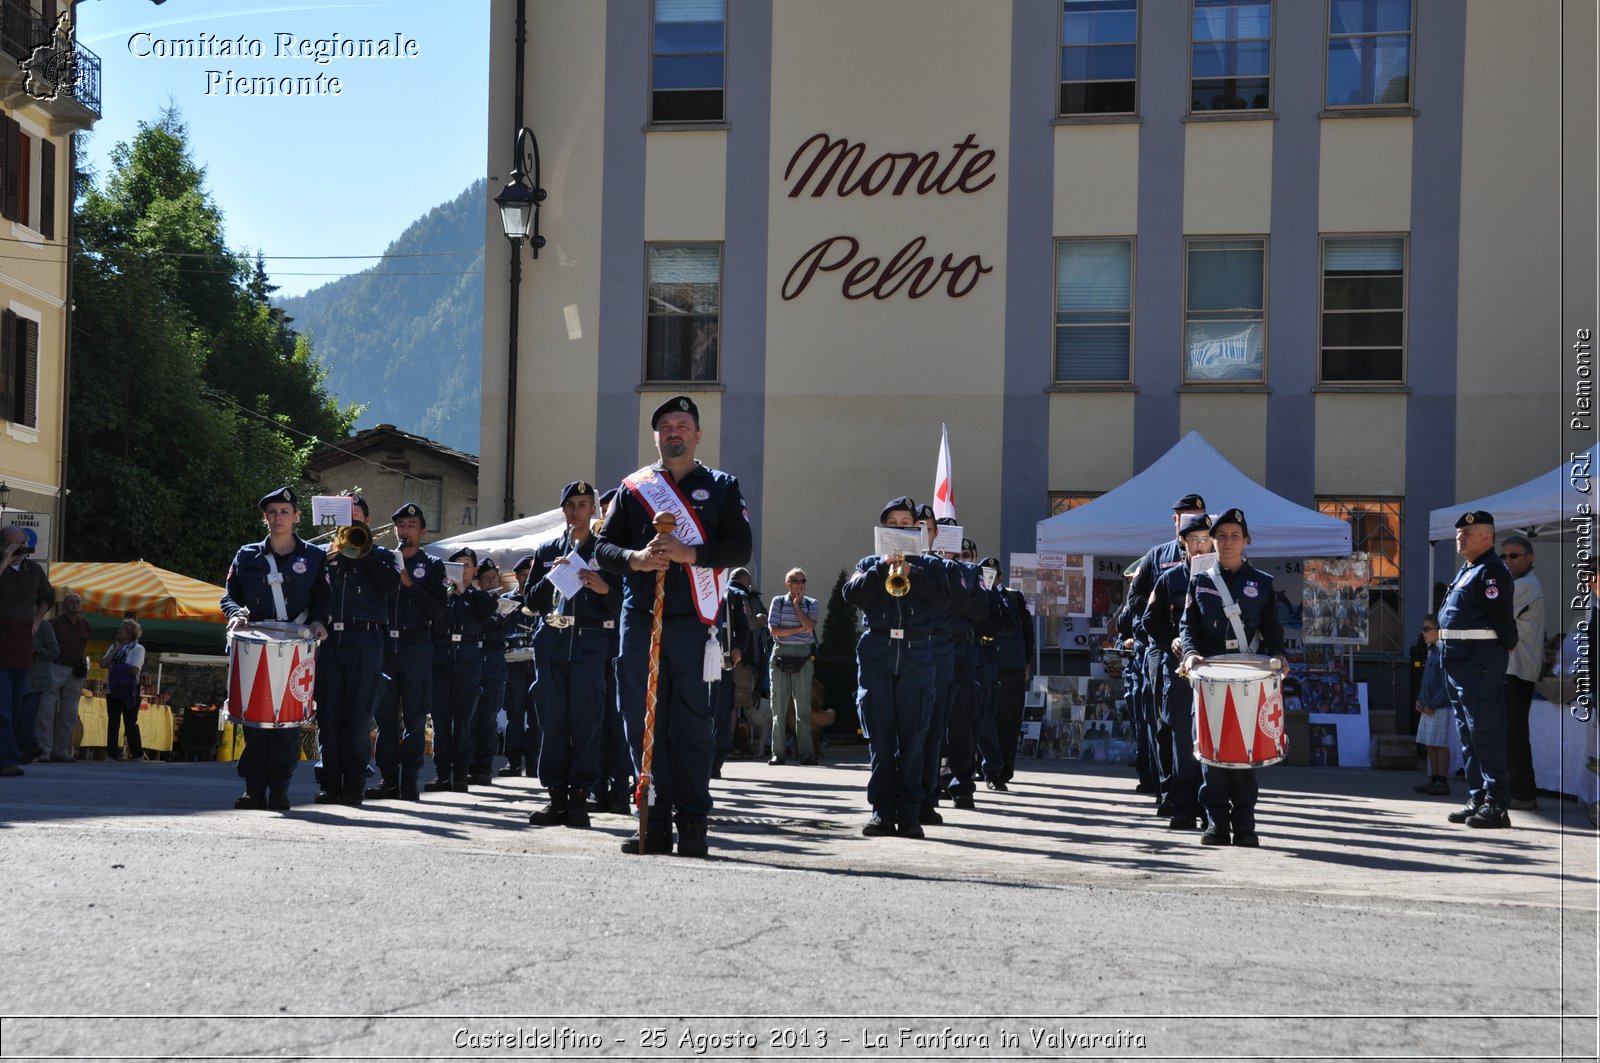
(146,918)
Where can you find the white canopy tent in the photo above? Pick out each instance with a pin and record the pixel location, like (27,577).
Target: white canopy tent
(1535,507)
(1132,518)
(504,542)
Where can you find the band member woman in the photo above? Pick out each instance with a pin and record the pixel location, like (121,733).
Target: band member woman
(280,578)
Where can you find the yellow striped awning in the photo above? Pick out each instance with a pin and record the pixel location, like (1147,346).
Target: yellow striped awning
(137,587)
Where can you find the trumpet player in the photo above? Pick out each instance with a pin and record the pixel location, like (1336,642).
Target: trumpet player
(351,659)
(898,597)
(408,659)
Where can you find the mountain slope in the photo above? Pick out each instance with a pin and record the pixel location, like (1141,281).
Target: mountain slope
(406,336)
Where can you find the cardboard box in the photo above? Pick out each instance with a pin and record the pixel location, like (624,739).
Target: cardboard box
(1381,721)
(1297,732)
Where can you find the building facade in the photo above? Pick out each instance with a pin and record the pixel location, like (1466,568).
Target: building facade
(390,468)
(1323,233)
(40,112)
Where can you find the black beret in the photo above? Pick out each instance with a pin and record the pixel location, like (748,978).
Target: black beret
(1189,501)
(946,522)
(357,500)
(465,551)
(606,499)
(282,494)
(525,561)
(903,502)
(576,488)
(924,512)
(968,546)
(676,404)
(990,562)
(1475,516)
(1193,523)
(1231,516)
(487,565)
(410,509)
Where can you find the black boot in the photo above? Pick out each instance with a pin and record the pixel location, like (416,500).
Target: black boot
(578,808)
(408,789)
(385,791)
(553,814)
(692,837)
(440,784)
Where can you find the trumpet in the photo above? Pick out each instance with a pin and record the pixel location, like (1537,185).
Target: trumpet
(352,541)
(898,582)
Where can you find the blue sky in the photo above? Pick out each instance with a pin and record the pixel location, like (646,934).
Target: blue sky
(308,175)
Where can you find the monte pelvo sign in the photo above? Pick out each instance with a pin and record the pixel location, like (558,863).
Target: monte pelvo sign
(824,166)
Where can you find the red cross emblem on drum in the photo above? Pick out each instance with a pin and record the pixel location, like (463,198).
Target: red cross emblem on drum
(303,680)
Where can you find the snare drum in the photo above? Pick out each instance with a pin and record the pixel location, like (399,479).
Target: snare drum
(1238,715)
(271,674)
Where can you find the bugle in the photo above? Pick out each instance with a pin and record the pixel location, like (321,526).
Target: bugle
(352,540)
(898,582)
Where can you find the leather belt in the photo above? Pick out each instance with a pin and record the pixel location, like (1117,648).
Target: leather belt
(583,623)
(900,633)
(1458,633)
(356,625)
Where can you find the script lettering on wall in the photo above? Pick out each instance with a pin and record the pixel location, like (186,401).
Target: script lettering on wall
(823,165)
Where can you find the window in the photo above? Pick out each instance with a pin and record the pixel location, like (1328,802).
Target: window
(1363,310)
(1230,67)
(1099,56)
(27,178)
(19,369)
(1066,501)
(1094,310)
(1225,315)
(428,492)
(1369,53)
(684,312)
(1375,525)
(686,63)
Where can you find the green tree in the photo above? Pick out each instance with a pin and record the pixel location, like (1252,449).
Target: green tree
(191,396)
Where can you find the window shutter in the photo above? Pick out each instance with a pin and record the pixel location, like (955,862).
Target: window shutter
(47,189)
(28,373)
(12,191)
(8,359)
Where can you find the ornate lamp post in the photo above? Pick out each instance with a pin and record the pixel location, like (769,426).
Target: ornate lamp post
(519,215)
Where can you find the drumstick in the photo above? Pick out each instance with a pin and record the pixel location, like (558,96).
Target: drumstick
(664,523)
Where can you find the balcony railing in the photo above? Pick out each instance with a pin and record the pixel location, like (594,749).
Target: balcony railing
(22,30)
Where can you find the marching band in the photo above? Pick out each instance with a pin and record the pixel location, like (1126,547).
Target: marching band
(610,650)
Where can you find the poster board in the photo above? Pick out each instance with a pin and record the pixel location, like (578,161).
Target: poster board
(1055,585)
(1334,608)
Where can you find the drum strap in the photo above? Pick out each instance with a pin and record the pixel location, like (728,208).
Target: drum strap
(275,584)
(1231,609)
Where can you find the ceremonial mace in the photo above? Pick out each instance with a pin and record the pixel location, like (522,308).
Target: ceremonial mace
(664,523)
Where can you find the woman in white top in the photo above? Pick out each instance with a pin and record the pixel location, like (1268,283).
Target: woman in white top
(123,661)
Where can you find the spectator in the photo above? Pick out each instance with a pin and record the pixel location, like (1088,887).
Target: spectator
(25,598)
(45,649)
(58,708)
(792,619)
(1437,727)
(123,661)
(1527,661)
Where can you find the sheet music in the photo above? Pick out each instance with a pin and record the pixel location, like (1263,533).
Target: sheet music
(948,538)
(989,576)
(331,509)
(567,578)
(888,541)
(1203,563)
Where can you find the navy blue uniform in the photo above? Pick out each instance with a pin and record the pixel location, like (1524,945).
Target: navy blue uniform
(522,722)
(894,679)
(969,607)
(683,738)
(943,641)
(491,693)
(349,665)
(407,695)
(1147,658)
(1229,794)
(270,753)
(1479,602)
(1162,617)
(571,647)
(1013,664)
(457,671)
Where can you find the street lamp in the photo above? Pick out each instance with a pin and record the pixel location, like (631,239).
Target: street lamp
(5,496)
(519,215)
